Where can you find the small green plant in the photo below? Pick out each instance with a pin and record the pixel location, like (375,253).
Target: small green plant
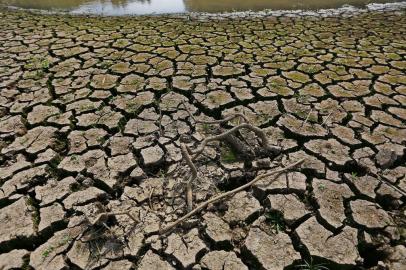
(312,266)
(75,187)
(354,176)
(275,219)
(132,107)
(161,173)
(106,64)
(322,187)
(74,158)
(65,240)
(86,107)
(206,127)
(47,251)
(45,64)
(227,155)
(101,140)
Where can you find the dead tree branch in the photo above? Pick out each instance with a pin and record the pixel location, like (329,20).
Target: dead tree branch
(260,133)
(189,192)
(224,120)
(203,205)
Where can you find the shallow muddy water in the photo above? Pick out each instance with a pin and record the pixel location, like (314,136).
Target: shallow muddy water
(128,7)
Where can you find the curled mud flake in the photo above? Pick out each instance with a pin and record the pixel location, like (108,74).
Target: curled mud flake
(10,125)
(50,216)
(182,83)
(265,111)
(386,158)
(292,181)
(296,76)
(103,81)
(331,150)
(84,105)
(185,247)
(241,207)
(390,153)
(104,117)
(121,68)
(18,222)
(133,104)
(25,179)
(386,119)
(398,112)
(140,127)
(217,229)
(270,251)
(83,196)
(330,198)
(219,260)
(379,101)
(36,140)
(345,134)
(120,145)
(370,214)
(63,119)
(14,259)
(153,261)
(131,83)
(122,163)
(80,141)
(227,69)
(142,193)
(216,99)
(85,255)
(152,155)
(340,248)
(366,184)
(310,162)
(301,128)
(156,84)
(55,190)
(396,258)
(12,166)
(289,205)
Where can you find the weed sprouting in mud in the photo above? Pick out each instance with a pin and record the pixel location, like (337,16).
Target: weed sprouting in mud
(276,220)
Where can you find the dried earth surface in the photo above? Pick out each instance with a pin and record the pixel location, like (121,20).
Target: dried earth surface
(92,113)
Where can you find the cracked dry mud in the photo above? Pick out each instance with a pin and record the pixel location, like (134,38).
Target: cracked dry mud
(91,119)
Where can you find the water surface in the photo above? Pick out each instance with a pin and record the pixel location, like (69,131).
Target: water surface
(128,7)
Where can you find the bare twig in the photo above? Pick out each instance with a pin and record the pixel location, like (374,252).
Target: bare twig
(103,216)
(224,120)
(189,193)
(161,131)
(325,120)
(261,134)
(150,199)
(389,184)
(229,193)
(307,118)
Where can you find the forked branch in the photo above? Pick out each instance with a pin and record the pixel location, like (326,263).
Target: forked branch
(203,205)
(259,132)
